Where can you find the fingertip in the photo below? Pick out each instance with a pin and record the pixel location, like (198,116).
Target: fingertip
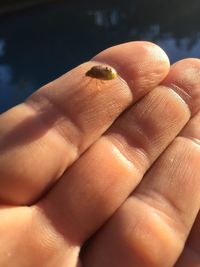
(141,59)
(142,48)
(184,78)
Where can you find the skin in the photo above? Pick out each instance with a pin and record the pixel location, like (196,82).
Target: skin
(81,185)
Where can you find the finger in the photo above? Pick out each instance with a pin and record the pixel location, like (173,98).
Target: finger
(24,243)
(43,136)
(97,184)
(151,227)
(191,253)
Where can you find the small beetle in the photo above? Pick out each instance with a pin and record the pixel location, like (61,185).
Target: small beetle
(102,72)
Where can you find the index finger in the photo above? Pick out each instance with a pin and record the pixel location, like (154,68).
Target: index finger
(42,137)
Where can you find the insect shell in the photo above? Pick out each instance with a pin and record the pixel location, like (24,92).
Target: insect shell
(102,72)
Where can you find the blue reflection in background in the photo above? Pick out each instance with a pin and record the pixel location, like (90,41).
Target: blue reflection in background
(39,44)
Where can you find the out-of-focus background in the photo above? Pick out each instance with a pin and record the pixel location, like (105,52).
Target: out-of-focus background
(42,39)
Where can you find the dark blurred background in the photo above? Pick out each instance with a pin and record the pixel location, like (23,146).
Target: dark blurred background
(42,39)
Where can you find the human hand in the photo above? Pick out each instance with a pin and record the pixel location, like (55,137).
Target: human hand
(74,185)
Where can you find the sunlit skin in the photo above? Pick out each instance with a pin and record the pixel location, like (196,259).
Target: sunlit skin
(106,179)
